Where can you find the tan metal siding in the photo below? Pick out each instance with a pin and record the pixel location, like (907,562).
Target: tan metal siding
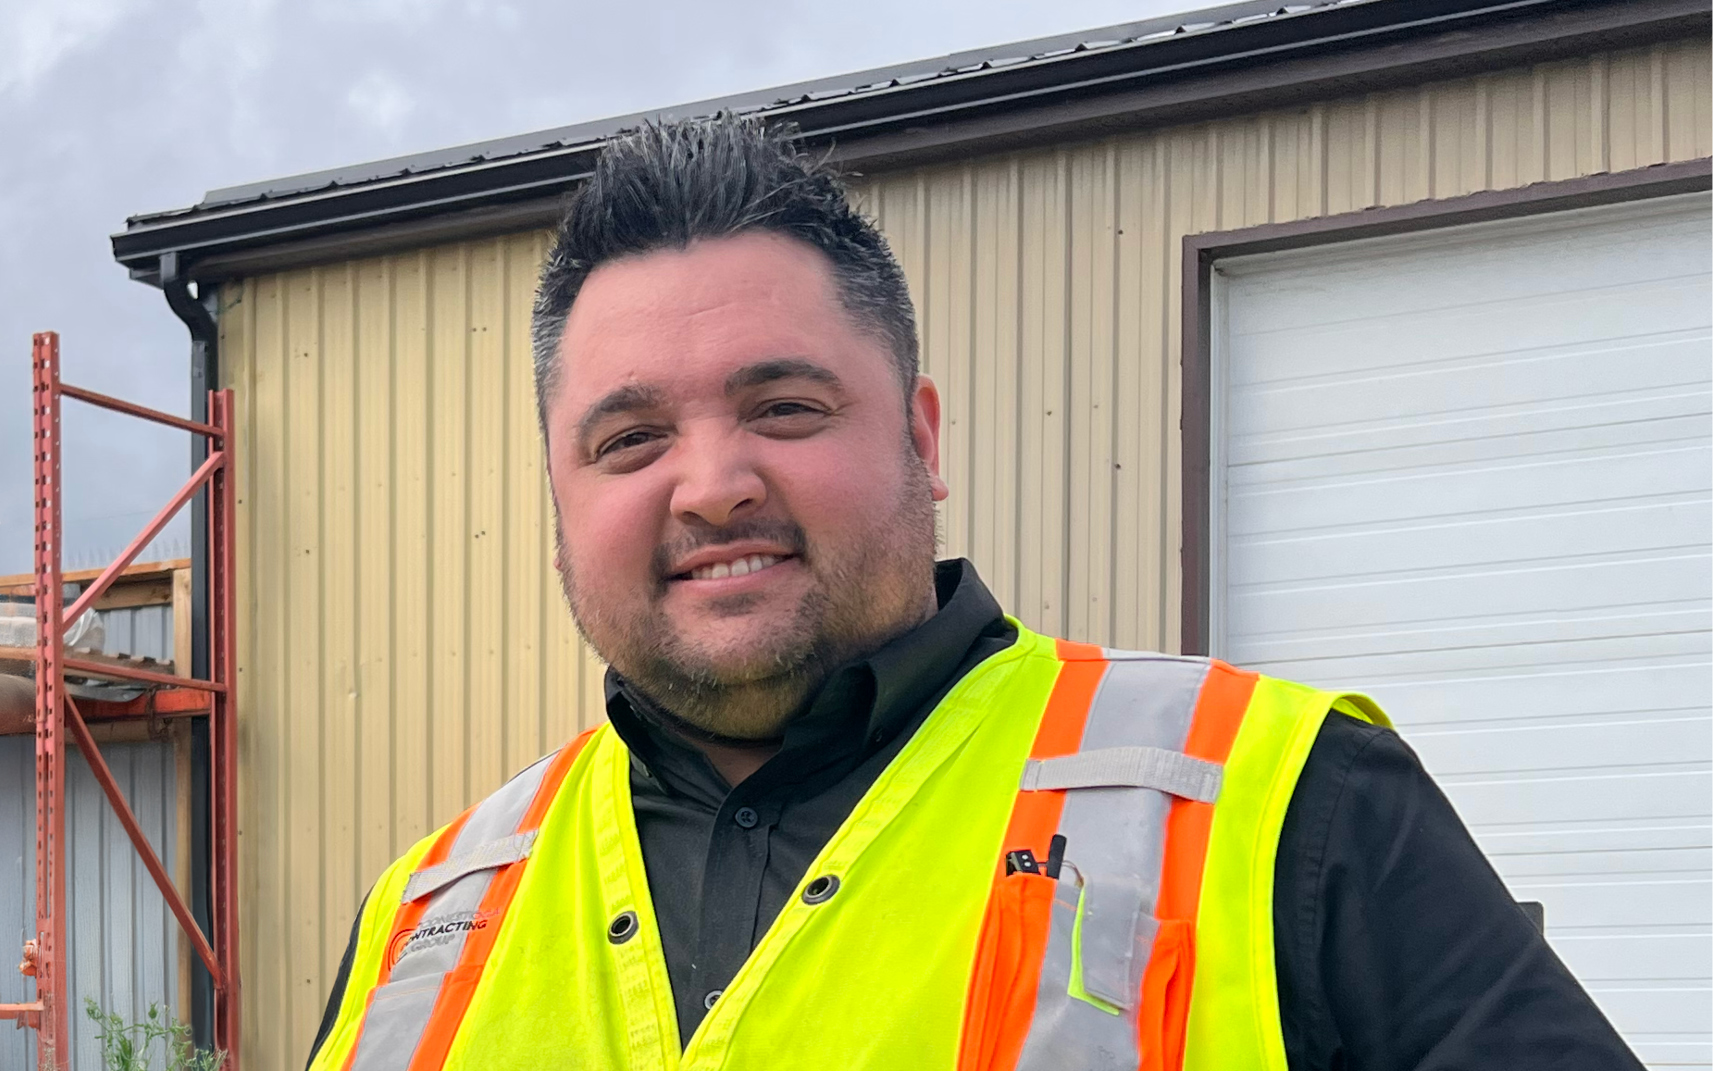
(1060,371)
(403,647)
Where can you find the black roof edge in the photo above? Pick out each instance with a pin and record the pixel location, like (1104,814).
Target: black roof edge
(1246,65)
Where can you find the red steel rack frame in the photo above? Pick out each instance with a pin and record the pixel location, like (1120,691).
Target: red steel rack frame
(61,721)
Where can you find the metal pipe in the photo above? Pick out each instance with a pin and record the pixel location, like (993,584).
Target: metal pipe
(128,673)
(119,405)
(193,311)
(223,731)
(98,587)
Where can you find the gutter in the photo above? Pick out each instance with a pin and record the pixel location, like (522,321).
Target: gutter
(1242,67)
(194,310)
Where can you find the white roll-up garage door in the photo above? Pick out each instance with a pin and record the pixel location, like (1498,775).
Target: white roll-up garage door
(1468,472)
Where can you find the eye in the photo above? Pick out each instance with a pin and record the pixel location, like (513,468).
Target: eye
(787,409)
(627,441)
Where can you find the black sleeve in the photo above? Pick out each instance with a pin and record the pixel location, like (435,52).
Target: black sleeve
(1398,947)
(330,1014)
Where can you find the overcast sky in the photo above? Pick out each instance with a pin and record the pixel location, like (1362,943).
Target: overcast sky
(113,107)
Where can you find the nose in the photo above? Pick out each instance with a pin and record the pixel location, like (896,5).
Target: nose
(717,481)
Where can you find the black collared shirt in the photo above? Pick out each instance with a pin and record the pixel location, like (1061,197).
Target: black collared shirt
(723,861)
(1397,947)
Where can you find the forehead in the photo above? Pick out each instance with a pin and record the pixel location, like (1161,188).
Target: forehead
(669,314)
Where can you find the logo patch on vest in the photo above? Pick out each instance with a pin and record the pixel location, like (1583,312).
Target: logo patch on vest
(436,931)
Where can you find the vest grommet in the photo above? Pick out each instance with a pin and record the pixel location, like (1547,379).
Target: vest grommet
(711,999)
(622,928)
(821,889)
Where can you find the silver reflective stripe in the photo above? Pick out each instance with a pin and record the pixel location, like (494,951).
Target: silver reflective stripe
(1115,836)
(489,856)
(394,1024)
(1128,767)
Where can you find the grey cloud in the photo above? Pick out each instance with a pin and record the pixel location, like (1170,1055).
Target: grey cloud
(111,107)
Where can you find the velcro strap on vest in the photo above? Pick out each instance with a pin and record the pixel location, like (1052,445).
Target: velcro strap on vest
(489,855)
(1127,767)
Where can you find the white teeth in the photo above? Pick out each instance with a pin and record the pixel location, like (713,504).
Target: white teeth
(741,567)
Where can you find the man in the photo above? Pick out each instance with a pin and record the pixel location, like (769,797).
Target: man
(846,813)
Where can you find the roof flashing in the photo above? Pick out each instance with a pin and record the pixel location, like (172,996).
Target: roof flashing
(967,62)
(1241,57)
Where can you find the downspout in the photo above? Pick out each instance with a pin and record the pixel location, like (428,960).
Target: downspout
(194,310)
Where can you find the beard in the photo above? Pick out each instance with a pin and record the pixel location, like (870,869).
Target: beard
(867,589)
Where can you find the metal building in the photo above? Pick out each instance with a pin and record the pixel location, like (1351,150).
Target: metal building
(1363,341)
(125,951)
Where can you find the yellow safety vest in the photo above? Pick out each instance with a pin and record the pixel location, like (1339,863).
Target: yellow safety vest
(1070,865)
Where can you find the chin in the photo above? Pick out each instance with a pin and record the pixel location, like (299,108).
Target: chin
(745,656)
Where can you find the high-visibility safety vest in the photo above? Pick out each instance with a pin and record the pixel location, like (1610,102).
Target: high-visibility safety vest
(522,936)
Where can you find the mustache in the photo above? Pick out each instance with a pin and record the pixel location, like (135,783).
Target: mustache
(785,533)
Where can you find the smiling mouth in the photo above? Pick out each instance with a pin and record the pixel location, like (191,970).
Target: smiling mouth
(753,563)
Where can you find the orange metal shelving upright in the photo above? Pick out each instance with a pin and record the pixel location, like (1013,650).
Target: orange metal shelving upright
(60,721)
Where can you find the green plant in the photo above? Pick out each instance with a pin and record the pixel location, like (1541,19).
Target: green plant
(127,1046)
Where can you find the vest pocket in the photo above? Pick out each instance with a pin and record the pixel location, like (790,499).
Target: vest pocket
(1164,1013)
(1007,971)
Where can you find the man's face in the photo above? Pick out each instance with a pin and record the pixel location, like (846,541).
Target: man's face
(745,497)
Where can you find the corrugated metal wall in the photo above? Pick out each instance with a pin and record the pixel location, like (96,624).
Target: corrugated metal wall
(143,631)
(1047,285)
(403,646)
(123,941)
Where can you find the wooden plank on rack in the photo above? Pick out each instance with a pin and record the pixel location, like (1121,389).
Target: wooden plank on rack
(25,583)
(125,594)
(19,659)
(181,652)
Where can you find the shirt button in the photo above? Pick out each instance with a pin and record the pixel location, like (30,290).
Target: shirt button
(747,818)
(712,998)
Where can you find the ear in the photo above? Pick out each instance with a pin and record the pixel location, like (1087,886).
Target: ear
(925,432)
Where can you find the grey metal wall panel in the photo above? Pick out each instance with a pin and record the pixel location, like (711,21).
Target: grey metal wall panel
(123,940)
(139,630)
(17,885)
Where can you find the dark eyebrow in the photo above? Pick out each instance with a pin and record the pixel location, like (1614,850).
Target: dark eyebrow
(630,398)
(762,372)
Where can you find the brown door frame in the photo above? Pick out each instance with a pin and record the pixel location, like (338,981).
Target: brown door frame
(1202,251)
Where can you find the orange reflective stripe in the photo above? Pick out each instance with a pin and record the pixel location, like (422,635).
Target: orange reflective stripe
(1001,999)
(1035,815)
(1168,979)
(408,917)
(1219,712)
(460,984)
